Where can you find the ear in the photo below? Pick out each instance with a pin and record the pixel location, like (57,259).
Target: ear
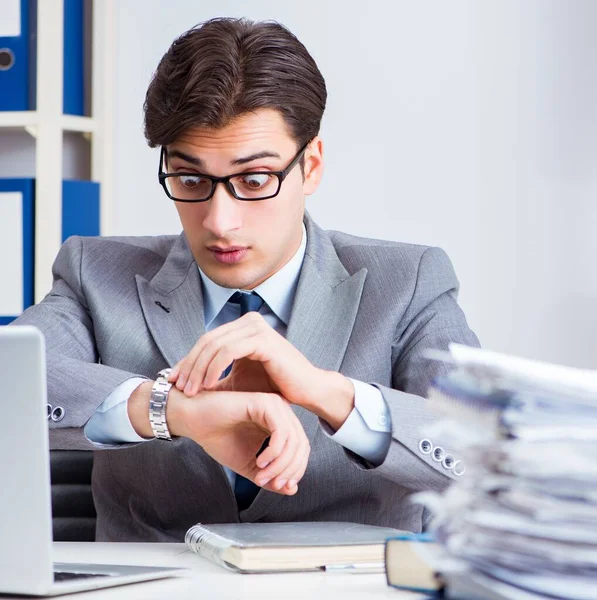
(313,166)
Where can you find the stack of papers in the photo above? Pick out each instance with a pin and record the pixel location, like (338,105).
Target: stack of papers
(522,522)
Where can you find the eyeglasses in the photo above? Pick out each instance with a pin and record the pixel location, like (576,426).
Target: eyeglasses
(251,185)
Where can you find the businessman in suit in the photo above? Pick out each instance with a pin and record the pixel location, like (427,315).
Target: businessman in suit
(297,355)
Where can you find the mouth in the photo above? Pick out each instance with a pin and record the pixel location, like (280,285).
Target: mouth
(228,255)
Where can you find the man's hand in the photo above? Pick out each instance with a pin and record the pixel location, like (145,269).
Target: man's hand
(277,366)
(231,427)
(246,376)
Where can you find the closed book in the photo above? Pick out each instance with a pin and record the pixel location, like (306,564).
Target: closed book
(301,546)
(407,565)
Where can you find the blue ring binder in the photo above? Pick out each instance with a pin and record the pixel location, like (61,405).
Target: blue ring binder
(15,78)
(80,216)
(18,56)
(26,188)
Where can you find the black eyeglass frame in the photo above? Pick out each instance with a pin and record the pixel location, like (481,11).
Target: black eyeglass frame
(281,175)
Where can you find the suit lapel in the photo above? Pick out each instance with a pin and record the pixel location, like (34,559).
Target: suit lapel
(178,323)
(325,305)
(323,315)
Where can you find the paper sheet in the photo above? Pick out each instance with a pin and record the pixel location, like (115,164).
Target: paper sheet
(11,253)
(10,18)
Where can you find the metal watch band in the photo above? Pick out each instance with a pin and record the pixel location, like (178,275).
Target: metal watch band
(157,406)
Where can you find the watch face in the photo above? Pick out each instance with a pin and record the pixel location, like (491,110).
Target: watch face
(164,373)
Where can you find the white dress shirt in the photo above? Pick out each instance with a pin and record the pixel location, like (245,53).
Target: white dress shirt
(365,432)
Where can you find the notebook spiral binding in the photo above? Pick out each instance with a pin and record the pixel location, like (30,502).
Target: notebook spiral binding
(207,544)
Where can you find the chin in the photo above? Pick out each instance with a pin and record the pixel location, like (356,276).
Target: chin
(232,280)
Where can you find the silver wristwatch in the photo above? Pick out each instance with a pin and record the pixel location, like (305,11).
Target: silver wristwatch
(157,406)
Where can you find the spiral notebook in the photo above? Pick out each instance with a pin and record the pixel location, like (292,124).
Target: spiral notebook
(301,546)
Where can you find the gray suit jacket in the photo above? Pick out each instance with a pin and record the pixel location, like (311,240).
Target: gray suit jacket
(366,308)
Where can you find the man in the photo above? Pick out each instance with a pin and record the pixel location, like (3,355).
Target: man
(297,355)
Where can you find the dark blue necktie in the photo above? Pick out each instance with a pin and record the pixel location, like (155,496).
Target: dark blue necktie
(244,489)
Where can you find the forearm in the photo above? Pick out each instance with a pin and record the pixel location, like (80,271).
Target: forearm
(333,398)
(79,388)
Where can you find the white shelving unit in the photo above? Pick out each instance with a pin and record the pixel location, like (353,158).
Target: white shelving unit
(47,125)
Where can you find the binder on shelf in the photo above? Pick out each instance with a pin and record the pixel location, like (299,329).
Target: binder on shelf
(80,216)
(16,247)
(74,58)
(17,54)
(80,208)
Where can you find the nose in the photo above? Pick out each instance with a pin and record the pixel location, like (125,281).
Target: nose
(223,212)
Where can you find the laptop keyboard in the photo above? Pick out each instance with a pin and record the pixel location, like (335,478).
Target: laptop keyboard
(67,576)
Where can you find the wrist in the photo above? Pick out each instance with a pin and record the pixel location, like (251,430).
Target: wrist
(334,400)
(176,408)
(138,411)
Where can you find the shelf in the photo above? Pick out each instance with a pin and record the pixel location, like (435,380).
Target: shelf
(18,120)
(47,125)
(82,124)
(30,119)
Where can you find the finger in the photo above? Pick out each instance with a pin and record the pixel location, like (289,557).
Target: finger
(295,478)
(291,487)
(295,469)
(301,465)
(276,446)
(276,468)
(275,449)
(273,414)
(174,374)
(234,349)
(302,461)
(185,366)
(277,460)
(225,343)
(276,413)
(273,474)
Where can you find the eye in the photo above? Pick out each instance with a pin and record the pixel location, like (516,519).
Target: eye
(255,181)
(191,181)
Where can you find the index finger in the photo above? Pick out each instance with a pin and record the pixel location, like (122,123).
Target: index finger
(185,365)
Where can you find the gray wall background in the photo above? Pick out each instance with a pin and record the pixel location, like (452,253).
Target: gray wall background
(468,125)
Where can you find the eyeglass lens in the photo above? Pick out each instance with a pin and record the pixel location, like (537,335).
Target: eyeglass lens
(250,186)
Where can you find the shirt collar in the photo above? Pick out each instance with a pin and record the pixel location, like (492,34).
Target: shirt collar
(277,291)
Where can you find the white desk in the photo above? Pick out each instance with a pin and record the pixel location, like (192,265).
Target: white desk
(206,580)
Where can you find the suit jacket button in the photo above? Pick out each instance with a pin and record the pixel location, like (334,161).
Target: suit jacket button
(58,414)
(458,468)
(438,454)
(425,446)
(49,408)
(448,461)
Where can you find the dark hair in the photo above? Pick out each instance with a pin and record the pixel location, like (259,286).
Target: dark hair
(226,67)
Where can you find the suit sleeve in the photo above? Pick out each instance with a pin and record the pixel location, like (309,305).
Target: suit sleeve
(76,381)
(432,320)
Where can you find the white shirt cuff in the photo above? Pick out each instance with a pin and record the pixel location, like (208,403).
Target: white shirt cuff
(368,429)
(110,424)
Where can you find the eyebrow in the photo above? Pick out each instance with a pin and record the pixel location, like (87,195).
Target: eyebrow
(238,161)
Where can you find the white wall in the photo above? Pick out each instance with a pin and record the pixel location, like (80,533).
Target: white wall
(464,124)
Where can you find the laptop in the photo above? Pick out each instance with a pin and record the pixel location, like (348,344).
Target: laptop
(26,565)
